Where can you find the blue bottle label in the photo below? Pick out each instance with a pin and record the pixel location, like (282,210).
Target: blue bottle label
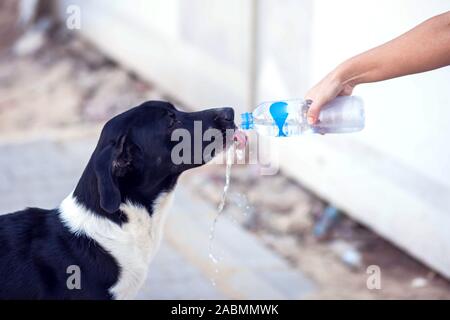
(279,113)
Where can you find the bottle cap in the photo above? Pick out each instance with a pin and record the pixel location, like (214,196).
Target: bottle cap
(246,121)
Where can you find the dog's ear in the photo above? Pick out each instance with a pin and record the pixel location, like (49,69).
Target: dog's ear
(112,162)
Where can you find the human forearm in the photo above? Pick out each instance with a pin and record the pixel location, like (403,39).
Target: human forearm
(423,48)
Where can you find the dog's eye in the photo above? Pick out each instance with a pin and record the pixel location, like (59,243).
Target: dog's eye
(172,120)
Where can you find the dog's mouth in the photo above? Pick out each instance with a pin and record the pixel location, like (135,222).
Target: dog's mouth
(221,120)
(228,136)
(234,136)
(240,139)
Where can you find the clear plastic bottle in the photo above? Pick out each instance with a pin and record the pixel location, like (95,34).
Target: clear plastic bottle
(288,118)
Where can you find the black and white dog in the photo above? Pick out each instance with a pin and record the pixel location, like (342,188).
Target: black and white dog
(110,226)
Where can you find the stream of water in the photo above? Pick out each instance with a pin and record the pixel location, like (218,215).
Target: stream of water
(212,232)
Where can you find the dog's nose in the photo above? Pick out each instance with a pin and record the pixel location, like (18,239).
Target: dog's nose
(225,114)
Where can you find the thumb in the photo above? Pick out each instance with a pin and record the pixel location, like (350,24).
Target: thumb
(314,111)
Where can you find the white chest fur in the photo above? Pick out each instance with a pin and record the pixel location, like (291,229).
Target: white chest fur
(133,244)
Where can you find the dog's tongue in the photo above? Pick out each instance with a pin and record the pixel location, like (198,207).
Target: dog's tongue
(240,138)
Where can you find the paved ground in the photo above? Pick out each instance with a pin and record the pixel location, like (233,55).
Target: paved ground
(41,173)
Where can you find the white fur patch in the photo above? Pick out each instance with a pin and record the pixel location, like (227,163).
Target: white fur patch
(133,244)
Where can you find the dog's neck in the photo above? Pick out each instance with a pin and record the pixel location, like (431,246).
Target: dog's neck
(132,244)
(86,193)
(131,234)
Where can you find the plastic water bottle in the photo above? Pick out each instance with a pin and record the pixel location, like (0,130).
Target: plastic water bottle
(289,118)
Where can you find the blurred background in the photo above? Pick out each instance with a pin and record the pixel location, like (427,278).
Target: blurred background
(340,206)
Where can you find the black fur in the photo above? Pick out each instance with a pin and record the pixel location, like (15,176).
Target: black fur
(130,162)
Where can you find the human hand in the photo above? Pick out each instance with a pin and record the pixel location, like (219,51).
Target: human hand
(423,48)
(326,90)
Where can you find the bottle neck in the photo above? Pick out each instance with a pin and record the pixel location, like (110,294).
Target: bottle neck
(247,121)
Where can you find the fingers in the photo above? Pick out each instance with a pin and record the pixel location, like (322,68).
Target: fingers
(314,111)
(319,95)
(322,93)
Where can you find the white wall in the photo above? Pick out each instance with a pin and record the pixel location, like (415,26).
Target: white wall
(198,51)
(408,117)
(395,175)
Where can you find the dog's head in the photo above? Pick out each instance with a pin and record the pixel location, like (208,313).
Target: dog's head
(148,147)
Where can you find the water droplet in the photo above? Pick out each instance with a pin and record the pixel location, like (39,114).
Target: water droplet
(213,258)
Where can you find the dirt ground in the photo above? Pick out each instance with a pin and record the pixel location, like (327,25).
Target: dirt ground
(57,81)
(285,216)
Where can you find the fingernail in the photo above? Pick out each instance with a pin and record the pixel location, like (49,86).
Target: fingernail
(311,120)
